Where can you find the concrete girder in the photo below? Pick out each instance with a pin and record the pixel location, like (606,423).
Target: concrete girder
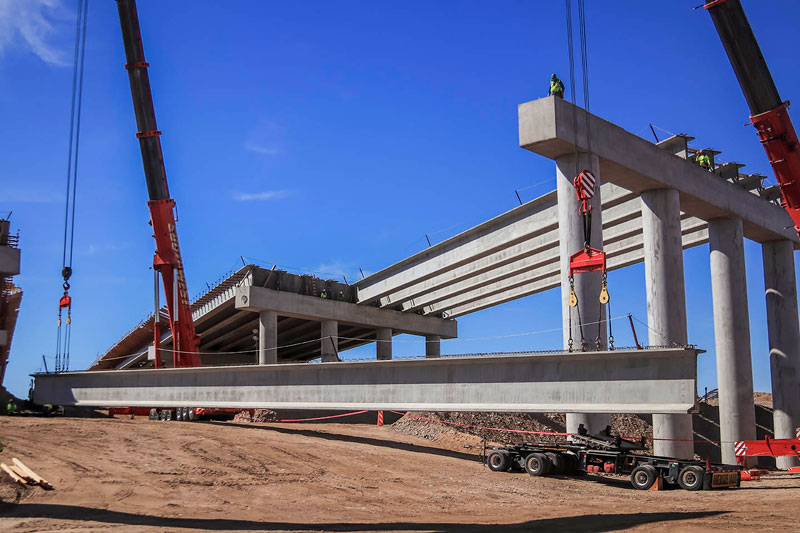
(620,254)
(546,128)
(640,381)
(542,250)
(495,242)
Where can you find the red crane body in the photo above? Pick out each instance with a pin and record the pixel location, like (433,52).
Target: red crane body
(167,260)
(768,113)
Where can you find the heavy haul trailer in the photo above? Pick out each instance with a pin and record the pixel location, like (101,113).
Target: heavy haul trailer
(610,455)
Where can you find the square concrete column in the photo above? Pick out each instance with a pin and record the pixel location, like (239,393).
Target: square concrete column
(383,343)
(433,346)
(267,338)
(329,343)
(587,286)
(666,304)
(784,340)
(737,420)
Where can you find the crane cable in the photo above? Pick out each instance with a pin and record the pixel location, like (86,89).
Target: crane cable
(63,339)
(587,225)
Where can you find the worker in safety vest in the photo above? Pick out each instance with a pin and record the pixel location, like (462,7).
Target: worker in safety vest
(11,407)
(556,87)
(323,294)
(703,160)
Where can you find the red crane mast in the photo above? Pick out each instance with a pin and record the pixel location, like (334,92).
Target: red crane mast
(167,260)
(768,113)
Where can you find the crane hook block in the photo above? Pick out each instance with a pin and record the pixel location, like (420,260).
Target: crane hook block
(65,302)
(573,300)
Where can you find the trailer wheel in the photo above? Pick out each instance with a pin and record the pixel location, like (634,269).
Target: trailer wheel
(557,460)
(192,416)
(153,414)
(643,477)
(498,461)
(179,414)
(691,478)
(537,464)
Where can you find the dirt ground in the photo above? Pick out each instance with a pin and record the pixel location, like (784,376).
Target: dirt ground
(141,475)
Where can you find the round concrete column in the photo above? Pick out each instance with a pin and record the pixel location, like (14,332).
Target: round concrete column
(784,340)
(433,346)
(587,286)
(329,343)
(383,343)
(731,334)
(666,304)
(267,337)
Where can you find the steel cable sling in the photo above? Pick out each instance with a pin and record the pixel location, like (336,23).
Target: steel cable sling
(589,259)
(63,339)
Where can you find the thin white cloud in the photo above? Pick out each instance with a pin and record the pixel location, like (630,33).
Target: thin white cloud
(338,270)
(262,149)
(31,23)
(260,196)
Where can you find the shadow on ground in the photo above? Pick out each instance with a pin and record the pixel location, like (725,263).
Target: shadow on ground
(598,522)
(359,440)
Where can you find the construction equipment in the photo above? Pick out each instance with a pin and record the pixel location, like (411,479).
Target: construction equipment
(167,260)
(610,454)
(768,113)
(767,448)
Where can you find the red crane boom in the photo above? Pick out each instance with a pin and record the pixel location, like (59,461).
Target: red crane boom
(167,260)
(768,113)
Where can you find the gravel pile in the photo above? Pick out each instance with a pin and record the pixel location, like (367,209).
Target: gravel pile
(622,424)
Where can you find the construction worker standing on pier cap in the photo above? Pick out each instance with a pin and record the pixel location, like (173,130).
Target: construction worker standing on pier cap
(703,160)
(11,407)
(556,87)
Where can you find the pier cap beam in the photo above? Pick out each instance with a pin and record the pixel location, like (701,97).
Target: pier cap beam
(546,127)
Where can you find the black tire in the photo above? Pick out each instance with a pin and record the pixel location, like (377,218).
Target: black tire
(643,477)
(571,464)
(498,461)
(691,477)
(558,462)
(179,414)
(192,416)
(537,464)
(153,414)
(167,414)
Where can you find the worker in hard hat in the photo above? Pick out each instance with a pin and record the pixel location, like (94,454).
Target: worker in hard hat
(323,294)
(11,407)
(702,159)
(556,87)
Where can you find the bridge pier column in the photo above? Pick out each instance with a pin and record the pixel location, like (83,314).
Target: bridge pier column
(329,343)
(267,337)
(732,334)
(784,340)
(433,346)
(587,286)
(383,343)
(666,304)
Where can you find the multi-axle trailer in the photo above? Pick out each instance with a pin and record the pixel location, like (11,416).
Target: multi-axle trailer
(611,455)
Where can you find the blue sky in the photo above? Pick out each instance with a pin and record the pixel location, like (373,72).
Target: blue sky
(326,137)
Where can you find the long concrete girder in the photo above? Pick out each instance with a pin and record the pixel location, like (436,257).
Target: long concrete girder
(484,269)
(546,127)
(639,381)
(495,296)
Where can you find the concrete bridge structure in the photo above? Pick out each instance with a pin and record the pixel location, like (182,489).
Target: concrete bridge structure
(653,203)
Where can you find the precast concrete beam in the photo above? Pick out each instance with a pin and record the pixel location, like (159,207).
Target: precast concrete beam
(546,127)
(666,304)
(784,340)
(731,334)
(640,381)
(289,304)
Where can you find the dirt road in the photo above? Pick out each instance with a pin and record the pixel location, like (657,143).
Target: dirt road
(177,476)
